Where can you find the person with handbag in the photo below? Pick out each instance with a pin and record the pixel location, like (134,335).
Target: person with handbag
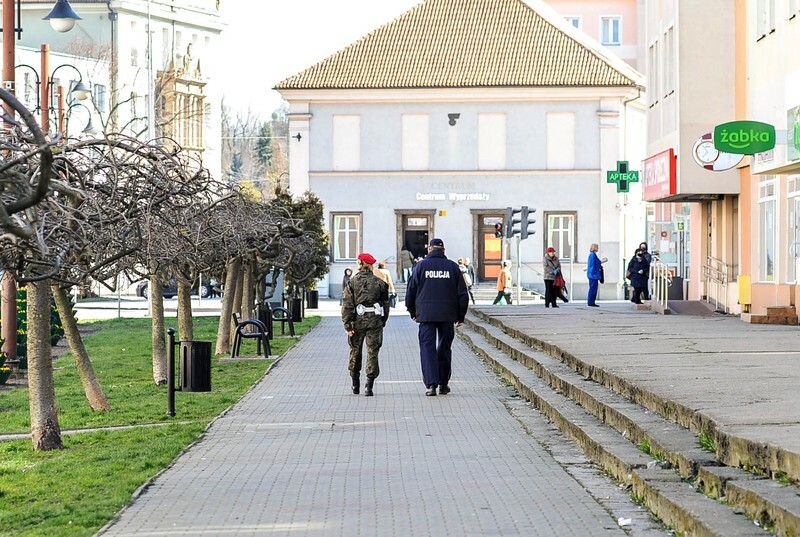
(594,271)
(552,268)
(383,273)
(462,266)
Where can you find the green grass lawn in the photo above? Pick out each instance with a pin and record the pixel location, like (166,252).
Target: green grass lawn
(75,491)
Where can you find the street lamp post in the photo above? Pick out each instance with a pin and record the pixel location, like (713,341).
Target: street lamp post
(59,20)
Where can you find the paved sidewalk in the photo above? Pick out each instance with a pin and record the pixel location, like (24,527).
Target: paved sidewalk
(301,455)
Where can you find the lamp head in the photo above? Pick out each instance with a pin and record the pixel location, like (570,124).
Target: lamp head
(62,17)
(80,91)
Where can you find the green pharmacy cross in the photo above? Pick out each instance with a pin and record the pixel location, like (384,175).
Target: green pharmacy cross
(622,176)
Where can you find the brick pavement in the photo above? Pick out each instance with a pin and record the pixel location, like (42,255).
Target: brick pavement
(301,455)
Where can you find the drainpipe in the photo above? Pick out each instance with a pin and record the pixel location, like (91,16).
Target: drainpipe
(114,65)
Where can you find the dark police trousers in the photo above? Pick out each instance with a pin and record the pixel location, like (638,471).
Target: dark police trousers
(435,354)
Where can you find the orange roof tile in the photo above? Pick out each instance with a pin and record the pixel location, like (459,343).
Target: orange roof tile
(468,44)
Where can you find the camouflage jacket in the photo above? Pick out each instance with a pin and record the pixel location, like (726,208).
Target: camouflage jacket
(367,289)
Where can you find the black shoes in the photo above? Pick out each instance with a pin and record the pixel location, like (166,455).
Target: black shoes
(444,389)
(368,387)
(594,305)
(355,386)
(555,306)
(431,390)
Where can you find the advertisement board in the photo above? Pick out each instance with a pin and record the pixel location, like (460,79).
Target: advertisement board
(660,176)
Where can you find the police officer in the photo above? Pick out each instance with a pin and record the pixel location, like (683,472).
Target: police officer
(365,309)
(436,298)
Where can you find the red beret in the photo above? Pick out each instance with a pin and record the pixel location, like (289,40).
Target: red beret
(367,258)
(551,249)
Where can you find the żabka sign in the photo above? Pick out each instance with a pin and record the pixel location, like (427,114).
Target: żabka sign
(660,176)
(744,137)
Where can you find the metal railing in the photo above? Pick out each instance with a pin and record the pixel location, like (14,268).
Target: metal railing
(717,275)
(662,280)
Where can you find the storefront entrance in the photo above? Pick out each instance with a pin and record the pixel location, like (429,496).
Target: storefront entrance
(415,231)
(490,248)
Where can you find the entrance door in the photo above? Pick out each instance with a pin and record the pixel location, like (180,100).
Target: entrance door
(415,234)
(490,248)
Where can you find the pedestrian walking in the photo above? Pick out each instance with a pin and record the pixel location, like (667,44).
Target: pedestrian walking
(345,280)
(437,299)
(383,273)
(552,268)
(365,310)
(594,269)
(504,284)
(406,264)
(649,259)
(462,266)
(639,273)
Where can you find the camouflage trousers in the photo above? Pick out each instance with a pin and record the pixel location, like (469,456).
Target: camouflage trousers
(374,339)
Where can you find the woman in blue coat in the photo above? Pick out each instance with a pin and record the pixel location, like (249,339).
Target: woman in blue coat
(593,269)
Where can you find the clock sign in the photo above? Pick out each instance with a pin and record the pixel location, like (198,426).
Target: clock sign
(709,157)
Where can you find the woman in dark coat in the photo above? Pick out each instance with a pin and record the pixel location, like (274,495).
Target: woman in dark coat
(639,274)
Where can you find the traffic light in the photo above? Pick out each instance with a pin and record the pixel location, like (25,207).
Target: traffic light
(511,220)
(498,230)
(527,220)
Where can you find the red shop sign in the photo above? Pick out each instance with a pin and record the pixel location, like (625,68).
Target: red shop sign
(660,176)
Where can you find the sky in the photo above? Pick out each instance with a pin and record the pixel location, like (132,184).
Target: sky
(280,38)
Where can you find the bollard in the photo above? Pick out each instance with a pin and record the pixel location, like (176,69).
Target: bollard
(171,372)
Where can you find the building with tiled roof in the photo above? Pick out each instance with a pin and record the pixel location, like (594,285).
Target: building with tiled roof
(436,122)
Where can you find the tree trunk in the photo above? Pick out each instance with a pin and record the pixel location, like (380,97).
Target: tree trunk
(237,297)
(91,386)
(158,333)
(45,432)
(248,293)
(226,307)
(185,326)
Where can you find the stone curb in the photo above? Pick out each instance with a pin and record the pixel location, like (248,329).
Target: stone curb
(607,427)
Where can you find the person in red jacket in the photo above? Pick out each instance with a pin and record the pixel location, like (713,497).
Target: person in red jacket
(437,299)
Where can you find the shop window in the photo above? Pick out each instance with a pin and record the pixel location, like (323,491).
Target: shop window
(346,143)
(560,141)
(793,211)
(416,141)
(346,236)
(611,30)
(491,141)
(560,232)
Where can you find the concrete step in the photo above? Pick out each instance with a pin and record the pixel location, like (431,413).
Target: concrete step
(605,421)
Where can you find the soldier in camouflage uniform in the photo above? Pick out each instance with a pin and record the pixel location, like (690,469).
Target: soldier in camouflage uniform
(365,309)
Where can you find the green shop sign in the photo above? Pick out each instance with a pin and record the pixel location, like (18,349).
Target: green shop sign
(744,137)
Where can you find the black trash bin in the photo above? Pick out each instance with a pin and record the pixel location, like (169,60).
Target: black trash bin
(313,299)
(297,310)
(265,316)
(676,289)
(195,366)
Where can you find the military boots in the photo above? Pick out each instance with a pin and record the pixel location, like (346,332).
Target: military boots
(368,387)
(356,385)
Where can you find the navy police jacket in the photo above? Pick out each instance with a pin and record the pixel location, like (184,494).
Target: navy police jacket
(436,292)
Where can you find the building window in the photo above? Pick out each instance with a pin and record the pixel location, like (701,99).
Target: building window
(766,230)
(99,96)
(794,8)
(653,67)
(346,143)
(560,232)
(416,141)
(491,141)
(765,22)
(670,65)
(346,236)
(611,30)
(793,210)
(574,20)
(560,141)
